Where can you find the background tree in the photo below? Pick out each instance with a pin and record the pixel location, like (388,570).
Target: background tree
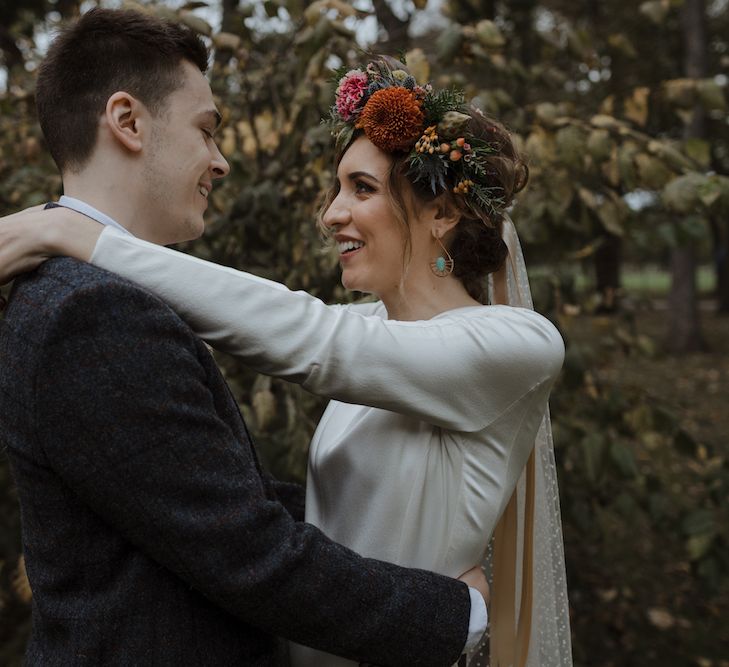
(685,329)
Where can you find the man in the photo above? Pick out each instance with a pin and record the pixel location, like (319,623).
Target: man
(151,533)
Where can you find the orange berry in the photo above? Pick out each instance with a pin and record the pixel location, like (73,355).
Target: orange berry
(460,141)
(455,156)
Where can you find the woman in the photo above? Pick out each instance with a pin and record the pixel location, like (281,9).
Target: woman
(437,399)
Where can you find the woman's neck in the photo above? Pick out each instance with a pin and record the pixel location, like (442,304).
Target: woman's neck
(425,298)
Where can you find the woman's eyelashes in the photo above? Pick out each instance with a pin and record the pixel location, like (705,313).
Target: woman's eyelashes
(360,187)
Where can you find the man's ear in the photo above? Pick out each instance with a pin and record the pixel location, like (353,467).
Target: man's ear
(124,118)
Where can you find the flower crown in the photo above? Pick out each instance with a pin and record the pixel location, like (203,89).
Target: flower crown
(399,116)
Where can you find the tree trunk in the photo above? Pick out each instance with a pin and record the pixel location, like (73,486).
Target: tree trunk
(608,259)
(12,55)
(522,12)
(397,29)
(684,326)
(230,22)
(466,11)
(720,232)
(68,8)
(230,18)
(685,333)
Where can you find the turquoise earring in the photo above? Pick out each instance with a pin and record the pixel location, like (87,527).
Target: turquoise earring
(442,266)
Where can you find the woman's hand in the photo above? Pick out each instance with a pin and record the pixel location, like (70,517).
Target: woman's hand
(475,578)
(22,243)
(32,236)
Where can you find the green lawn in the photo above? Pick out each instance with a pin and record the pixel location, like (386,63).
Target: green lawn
(655,280)
(647,280)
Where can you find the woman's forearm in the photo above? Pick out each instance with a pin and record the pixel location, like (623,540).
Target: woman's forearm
(333,352)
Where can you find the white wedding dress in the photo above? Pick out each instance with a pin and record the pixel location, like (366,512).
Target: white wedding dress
(431,422)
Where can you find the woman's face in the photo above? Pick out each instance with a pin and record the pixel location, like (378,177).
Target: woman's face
(369,238)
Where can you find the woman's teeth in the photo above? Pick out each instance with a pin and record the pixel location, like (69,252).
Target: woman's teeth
(348,246)
(203,192)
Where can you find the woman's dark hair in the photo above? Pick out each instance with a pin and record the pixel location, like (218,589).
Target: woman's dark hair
(476,245)
(106,51)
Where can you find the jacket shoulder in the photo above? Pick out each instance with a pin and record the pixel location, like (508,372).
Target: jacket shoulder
(64,288)
(61,276)
(61,279)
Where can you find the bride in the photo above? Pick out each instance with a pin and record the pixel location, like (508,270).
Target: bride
(438,389)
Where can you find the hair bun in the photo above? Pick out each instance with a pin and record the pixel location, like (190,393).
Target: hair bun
(477,250)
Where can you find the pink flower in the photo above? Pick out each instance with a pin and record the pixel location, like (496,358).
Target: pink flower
(351,89)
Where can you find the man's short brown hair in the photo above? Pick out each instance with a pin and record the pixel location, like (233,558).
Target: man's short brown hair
(106,51)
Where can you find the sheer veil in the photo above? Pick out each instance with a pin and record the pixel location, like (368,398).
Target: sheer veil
(529,609)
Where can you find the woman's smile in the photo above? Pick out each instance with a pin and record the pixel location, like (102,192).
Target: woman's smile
(348,248)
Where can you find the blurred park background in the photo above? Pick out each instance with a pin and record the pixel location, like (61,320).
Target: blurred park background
(621,109)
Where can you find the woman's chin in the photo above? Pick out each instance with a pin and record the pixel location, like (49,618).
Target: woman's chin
(349,282)
(355,286)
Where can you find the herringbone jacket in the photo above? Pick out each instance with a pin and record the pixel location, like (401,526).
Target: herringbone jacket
(151,534)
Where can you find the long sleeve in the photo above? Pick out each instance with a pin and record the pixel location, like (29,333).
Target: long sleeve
(292,496)
(126,416)
(406,367)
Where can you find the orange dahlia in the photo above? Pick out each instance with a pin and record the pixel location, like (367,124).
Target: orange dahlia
(392,119)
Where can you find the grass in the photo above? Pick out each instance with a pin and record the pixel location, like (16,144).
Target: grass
(655,280)
(648,280)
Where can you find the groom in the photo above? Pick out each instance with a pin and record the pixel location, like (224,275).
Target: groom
(151,534)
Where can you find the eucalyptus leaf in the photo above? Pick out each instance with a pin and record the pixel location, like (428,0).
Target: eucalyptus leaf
(699,150)
(611,217)
(196,23)
(417,63)
(626,165)
(226,40)
(593,450)
(655,10)
(489,35)
(681,92)
(623,459)
(653,173)
(681,195)
(570,142)
(599,144)
(699,522)
(711,95)
(622,43)
(636,106)
(449,43)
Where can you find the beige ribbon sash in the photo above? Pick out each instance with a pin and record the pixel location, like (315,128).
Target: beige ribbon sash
(509,639)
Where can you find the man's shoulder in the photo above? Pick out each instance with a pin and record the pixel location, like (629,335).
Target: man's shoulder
(65,274)
(64,282)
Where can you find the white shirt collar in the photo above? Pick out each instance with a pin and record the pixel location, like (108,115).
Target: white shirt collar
(90,212)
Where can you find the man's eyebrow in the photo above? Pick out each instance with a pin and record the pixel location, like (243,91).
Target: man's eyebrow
(358,174)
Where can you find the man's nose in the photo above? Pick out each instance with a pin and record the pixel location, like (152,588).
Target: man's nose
(219,165)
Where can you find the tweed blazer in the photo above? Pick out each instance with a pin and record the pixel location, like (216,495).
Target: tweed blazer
(151,534)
